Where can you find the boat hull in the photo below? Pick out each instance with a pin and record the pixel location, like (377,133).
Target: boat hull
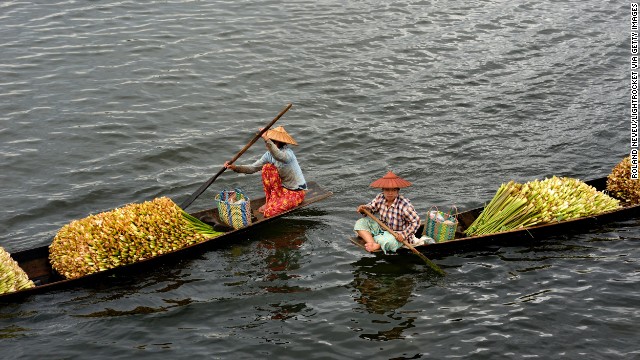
(462,243)
(35,262)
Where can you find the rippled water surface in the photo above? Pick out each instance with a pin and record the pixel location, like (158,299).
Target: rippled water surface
(104,103)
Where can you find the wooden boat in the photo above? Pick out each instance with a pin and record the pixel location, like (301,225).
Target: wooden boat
(35,262)
(461,242)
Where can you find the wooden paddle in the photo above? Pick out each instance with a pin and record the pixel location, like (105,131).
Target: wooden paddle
(204,186)
(406,243)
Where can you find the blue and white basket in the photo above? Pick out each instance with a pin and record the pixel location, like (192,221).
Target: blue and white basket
(234,208)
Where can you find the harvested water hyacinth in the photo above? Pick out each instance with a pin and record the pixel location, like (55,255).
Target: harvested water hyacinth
(621,185)
(124,236)
(12,277)
(539,202)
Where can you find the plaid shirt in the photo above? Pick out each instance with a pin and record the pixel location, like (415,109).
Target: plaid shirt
(401,216)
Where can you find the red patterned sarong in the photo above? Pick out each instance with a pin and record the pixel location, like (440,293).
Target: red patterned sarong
(278,198)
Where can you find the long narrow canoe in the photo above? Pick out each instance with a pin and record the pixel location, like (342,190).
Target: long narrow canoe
(461,242)
(35,262)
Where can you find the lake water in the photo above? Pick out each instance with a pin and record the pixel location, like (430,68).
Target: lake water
(104,103)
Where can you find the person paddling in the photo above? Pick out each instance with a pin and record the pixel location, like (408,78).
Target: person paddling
(282,178)
(395,210)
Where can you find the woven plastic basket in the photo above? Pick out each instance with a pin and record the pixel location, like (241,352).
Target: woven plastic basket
(234,208)
(441,226)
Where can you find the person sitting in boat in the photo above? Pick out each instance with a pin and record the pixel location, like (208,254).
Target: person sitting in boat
(395,210)
(282,179)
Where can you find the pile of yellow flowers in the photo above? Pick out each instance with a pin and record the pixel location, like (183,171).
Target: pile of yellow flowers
(123,236)
(620,184)
(539,202)
(12,277)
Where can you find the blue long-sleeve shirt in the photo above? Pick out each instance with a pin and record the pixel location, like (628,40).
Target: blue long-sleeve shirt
(285,161)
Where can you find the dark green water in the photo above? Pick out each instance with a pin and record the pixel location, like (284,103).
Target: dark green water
(105,103)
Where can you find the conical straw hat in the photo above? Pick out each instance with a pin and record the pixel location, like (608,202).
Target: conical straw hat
(280,134)
(390,181)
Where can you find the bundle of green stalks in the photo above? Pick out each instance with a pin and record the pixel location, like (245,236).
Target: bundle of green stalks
(620,184)
(12,277)
(537,202)
(123,236)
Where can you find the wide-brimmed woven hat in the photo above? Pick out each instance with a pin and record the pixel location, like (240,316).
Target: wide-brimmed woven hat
(390,181)
(280,134)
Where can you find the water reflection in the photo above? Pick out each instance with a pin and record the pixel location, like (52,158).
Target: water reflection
(275,256)
(381,294)
(282,255)
(109,312)
(284,311)
(394,333)
(162,279)
(383,288)
(13,331)
(280,251)
(130,291)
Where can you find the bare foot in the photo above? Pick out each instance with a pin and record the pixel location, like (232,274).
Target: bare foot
(261,209)
(372,246)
